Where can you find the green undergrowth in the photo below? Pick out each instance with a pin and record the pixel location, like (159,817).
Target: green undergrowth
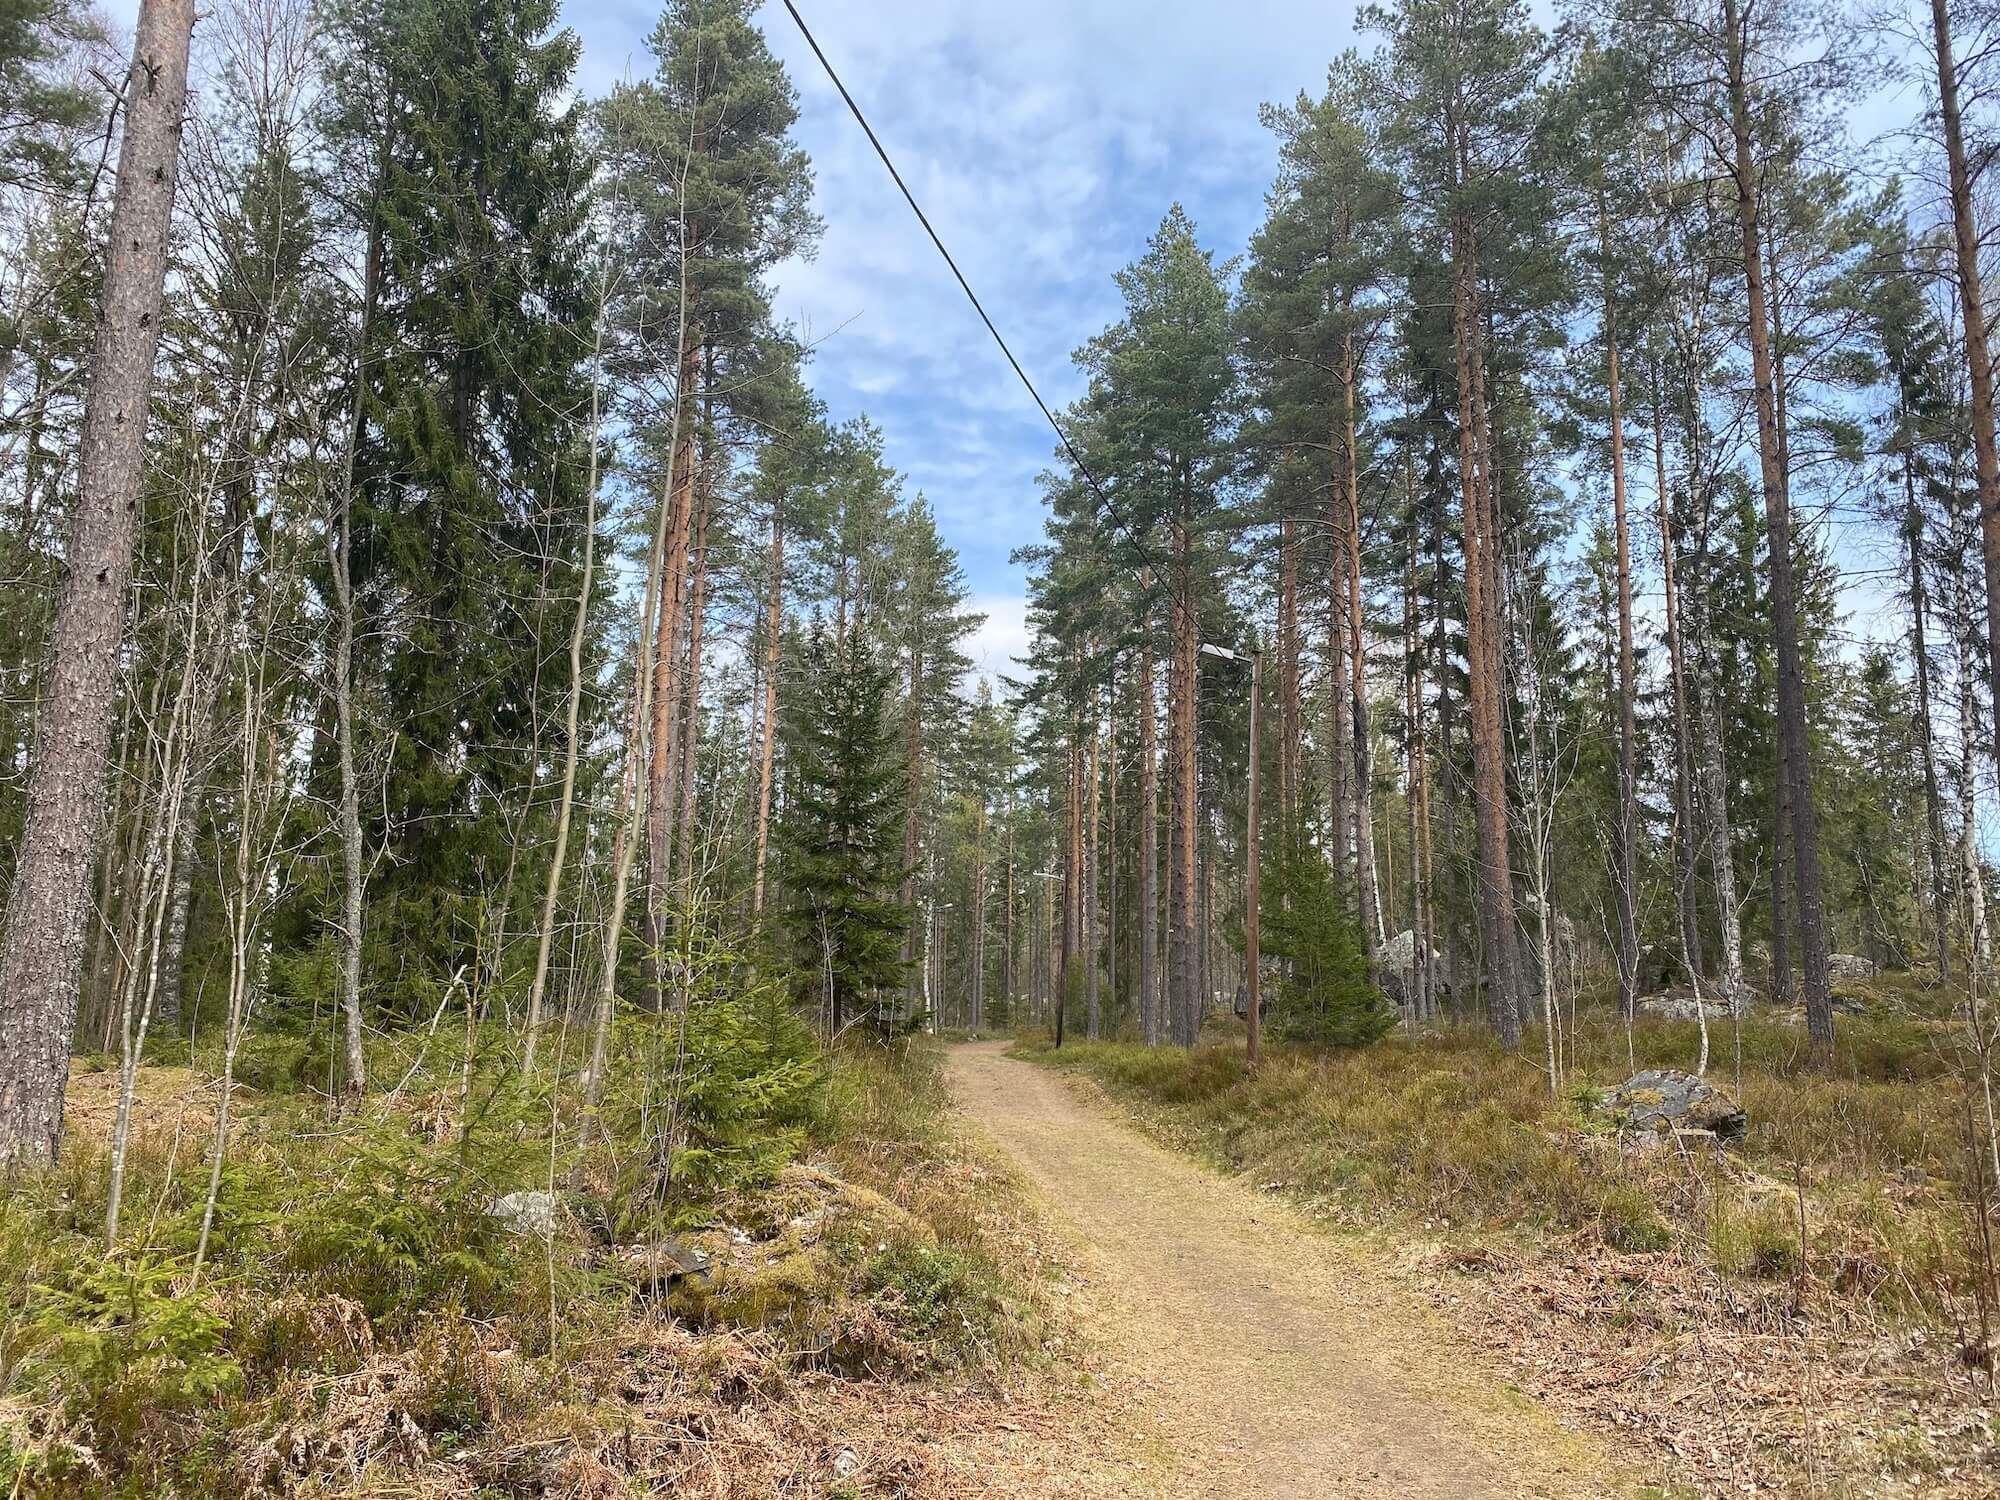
(1446,1134)
(359,1306)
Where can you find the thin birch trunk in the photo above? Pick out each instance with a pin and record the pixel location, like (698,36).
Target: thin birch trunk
(566,806)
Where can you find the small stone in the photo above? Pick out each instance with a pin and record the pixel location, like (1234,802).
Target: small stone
(846,1464)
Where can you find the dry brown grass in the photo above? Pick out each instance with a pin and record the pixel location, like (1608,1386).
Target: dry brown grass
(1800,1312)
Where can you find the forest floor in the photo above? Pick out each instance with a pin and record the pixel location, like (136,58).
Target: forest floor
(1260,1357)
(883,1318)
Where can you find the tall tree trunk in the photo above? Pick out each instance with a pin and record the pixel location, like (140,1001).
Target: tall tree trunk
(1007,916)
(1972,303)
(1290,727)
(1339,700)
(1913,542)
(978,987)
(913,761)
(663,759)
(690,746)
(1093,1018)
(1795,765)
(1715,796)
(1418,1000)
(1485,682)
(1684,829)
(1367,898)
(1182,959)
(41,962)
(1972,883)
(1149,835)
(1111,928)
(1073,835)
(774,625)
(1625,844)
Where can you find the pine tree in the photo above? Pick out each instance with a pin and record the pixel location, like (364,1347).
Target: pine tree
(41,960)
(1310,311)
(1163,390)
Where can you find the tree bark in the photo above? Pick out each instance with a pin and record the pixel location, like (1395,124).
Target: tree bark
(1625,850)
(774,624)
(1684,829)
(41,962)
(1290,727)
(1149,836)
(913,759)
(1913,535)
(1715,793)
(1367,898)
(1972,302)
(663,759)
(1485,682)
(690,742)
(1093,1018)
(1795,766)
(1182,959)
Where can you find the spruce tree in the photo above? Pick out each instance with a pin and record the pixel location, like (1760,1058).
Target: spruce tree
(467,510)
(842,834)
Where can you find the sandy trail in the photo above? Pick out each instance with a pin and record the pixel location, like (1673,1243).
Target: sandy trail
(1261,1357)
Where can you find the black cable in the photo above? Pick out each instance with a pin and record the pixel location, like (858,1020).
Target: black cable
(1075,458)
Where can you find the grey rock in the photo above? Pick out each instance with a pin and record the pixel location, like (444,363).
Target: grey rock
(1849,966)
(529,1211)
(1400,953)
(1396,967)
(1664,1099)
(1674,1008)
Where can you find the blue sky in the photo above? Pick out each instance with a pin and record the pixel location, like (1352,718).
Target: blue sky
(1045,139)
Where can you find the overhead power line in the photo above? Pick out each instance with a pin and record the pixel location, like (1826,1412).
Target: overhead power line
(1076,459)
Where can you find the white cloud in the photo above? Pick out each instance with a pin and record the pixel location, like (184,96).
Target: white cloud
(998,646)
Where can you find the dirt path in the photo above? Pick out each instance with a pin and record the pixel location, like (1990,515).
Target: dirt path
(1262,1358)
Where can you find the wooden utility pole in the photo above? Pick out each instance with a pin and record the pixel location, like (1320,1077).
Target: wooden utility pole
(41,965)
(1251,952)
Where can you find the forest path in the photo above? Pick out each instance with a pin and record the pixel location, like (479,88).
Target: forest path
(1264,1358)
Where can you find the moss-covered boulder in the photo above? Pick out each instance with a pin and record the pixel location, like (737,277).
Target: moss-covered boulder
(1665,1099)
